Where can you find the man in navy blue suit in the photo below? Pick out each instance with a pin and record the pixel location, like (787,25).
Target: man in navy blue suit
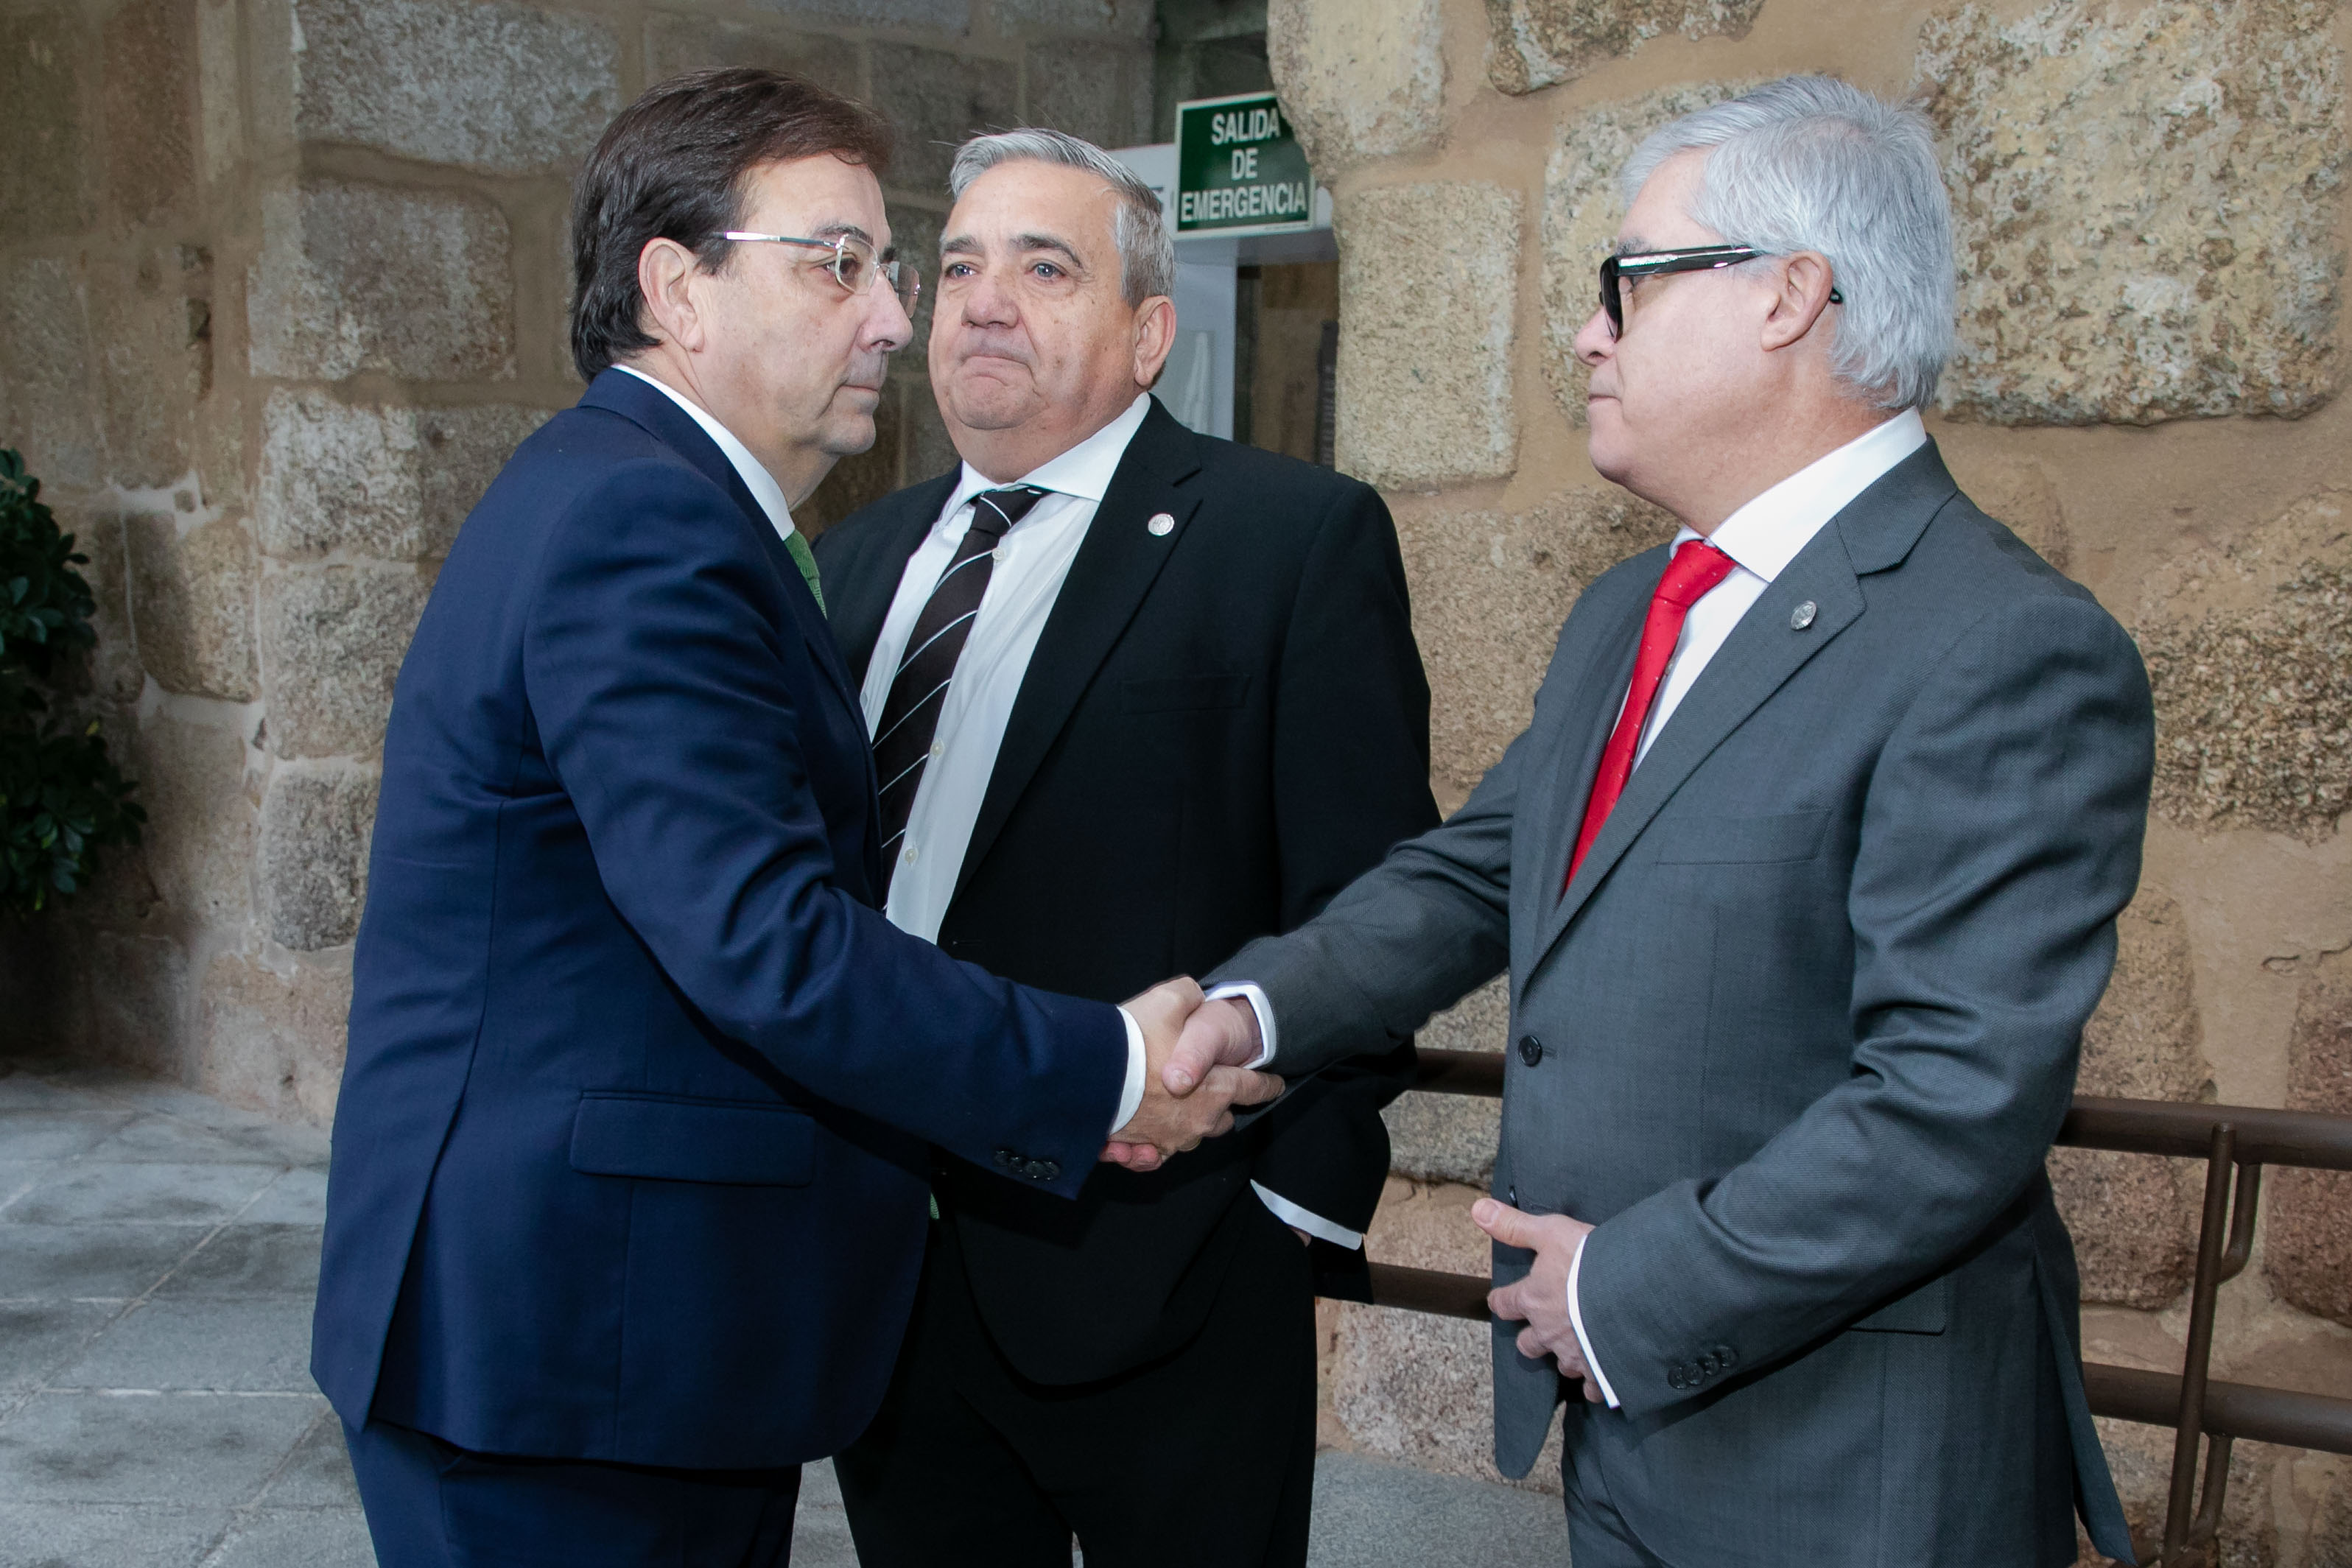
(629,1184)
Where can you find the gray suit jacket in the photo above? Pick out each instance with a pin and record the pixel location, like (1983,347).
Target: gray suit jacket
(1797,1038)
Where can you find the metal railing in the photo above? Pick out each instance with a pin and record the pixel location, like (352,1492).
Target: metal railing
(2235,1141)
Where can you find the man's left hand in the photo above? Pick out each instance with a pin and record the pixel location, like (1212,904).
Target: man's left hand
(1540,1300)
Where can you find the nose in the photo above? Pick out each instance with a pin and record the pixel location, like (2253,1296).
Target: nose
(887,326)
(1594,340)
(987,302)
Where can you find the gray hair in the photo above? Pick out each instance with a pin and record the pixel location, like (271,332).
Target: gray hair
(1146,255)
(1810,164)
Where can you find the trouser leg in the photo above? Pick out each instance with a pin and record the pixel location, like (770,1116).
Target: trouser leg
(1206,1455)
(399,1476)
(432,1505)
(1598,1535)
(930,1482)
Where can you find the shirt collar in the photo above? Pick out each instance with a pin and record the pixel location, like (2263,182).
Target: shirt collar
(1765,535)
(756,477)
(1083,471)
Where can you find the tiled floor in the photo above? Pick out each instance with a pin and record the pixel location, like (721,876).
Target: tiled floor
(158,1253)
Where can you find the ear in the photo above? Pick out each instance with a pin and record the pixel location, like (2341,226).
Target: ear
(665,274)
(1155,334)
(1806,283)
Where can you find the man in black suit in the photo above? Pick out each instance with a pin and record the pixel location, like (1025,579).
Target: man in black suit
(1137,696)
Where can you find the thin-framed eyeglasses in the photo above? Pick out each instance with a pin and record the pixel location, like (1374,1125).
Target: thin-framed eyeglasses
(1616,271)
(854,266)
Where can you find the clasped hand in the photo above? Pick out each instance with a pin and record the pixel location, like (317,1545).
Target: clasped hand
(1195,1072)
(1540,1298)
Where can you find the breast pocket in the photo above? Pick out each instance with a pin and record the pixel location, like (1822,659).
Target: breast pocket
(672,1138)
(1171,693)
(1747,840)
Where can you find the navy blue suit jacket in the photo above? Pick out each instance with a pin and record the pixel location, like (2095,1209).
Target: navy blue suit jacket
(629,1163)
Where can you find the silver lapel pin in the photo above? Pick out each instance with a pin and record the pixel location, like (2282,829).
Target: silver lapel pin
(1801,616)
(1161,524)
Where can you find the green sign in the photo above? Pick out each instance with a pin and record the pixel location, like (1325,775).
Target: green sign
(1239,166)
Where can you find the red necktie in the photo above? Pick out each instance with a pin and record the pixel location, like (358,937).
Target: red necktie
(1696,567)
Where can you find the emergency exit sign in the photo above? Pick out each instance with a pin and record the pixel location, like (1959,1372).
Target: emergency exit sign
(1239,166)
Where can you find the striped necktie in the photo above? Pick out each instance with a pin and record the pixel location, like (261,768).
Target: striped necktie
(918,692)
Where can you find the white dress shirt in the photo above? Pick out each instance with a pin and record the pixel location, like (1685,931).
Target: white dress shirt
(771,496)
(1032,560)
(1761,538)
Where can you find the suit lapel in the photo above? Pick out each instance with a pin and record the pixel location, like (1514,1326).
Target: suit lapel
(617,392)
(1762,652)
(1589,706)
(864,601)
(1114,568)
(1873,533)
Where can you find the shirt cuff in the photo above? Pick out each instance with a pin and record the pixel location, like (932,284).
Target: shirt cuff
(1314,1224)
(1575,1322)
(1130,1098)
(1258,1005)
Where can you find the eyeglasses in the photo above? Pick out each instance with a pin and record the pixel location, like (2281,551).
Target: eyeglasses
(853,265)
(1618,270)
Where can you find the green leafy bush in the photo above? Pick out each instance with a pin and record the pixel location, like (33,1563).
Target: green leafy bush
(62,800)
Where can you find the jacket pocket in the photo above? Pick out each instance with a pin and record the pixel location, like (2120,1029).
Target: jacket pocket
(1167,692)
(1926,1309)
(671,1138)
(1747,841)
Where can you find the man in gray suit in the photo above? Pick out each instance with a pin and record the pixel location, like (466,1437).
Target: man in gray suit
(1805,874)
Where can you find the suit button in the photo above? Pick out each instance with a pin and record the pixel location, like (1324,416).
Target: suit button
(1006,1159)
(1530,1049)
(1044,1170)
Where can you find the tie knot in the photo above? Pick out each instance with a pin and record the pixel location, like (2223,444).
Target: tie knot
(994,511)
(1697,567)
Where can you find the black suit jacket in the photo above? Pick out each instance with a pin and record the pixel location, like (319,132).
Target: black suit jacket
(1221,727)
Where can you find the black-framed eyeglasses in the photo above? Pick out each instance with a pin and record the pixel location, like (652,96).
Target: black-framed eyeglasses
(1616,271)
(854,265)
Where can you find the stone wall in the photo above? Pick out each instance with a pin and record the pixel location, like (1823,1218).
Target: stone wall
(281,284)
(2152,221)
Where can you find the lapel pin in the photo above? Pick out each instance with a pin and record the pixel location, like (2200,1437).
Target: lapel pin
(1801,616)
(1161,524)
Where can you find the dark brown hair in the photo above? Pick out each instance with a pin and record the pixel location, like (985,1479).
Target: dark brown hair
(674,165)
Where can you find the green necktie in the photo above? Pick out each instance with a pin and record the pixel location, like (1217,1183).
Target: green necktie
(806,560)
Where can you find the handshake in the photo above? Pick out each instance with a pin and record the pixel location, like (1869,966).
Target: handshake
(1196,1069)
